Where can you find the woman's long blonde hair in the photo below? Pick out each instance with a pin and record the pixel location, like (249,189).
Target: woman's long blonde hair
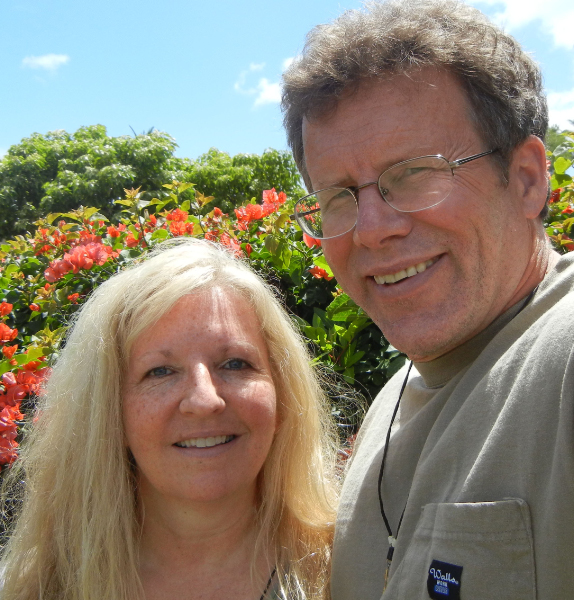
(76,535)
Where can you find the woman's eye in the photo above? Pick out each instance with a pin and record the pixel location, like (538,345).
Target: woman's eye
(235,364)
(159,372)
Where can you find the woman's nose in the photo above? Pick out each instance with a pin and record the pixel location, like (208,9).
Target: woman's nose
(202,395)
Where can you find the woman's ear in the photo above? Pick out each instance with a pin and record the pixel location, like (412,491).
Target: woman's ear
(529,175)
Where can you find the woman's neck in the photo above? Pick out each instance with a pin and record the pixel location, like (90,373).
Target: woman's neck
(202,551)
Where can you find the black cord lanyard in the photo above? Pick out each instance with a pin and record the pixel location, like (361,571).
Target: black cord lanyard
(268,584)
(392,538)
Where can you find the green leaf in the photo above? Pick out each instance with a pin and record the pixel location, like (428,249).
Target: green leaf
(160,234)
(52,217)
(5,366)
(11,268)
(90,212)
(561,165)
(142,204)
(271,243)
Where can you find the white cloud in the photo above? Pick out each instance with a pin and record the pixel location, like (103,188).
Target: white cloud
(288,62)
(264,91)
(267,92)
(561,109)
(3,152)
(556,16)
(48,62)
(239,85)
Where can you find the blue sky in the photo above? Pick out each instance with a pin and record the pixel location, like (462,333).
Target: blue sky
(208,73)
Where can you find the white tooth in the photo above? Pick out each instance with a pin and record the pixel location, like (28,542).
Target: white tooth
(429,263)
(411,271)
(421,267)
(210,441)
(389,279)
(200,443)
(401,275)
(378,279)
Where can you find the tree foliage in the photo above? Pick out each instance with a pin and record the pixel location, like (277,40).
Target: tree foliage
(59,171)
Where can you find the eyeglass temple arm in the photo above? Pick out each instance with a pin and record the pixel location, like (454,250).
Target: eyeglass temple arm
(304,213)
(462,161)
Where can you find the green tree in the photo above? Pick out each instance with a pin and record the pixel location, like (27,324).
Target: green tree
(59,171)
(234,180)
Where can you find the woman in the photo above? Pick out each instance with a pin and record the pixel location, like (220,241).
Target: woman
(183,447)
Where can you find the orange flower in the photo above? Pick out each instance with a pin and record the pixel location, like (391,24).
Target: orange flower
(248,213)
(8,351)
(35,307)
(131,240)
(113,232)
(248,249)
(311,241)
(7,334)
(5,308)
(73,298)
(177,228)
(177,215)
(568,210)
(555,196)
(217,212)
(272,200)
(57,269)
(85,255)
(87,237)
(319,273)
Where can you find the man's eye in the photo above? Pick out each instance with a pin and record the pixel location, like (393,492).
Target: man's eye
(235,364)
(159,372)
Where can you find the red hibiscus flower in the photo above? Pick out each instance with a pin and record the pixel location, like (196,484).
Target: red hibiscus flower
(177,215)
(5,308)
(311,241)
(57,269)
(7,334)
(319,273)
(8,351)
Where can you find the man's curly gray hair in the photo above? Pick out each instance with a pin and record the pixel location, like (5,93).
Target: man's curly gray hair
(503,84)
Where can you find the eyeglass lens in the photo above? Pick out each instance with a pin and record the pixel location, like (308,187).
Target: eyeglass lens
(408,186)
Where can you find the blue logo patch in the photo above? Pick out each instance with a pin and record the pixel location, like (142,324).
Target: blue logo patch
(443,581)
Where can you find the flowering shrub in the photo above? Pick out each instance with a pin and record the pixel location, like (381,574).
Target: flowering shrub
(46,275)
(559,221)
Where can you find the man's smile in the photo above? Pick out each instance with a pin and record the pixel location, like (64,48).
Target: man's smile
(404,273)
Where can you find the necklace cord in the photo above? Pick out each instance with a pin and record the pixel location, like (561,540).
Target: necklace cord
(268,584)
(387,440)
(385,451)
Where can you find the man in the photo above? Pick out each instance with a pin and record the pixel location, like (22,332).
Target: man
(472,494)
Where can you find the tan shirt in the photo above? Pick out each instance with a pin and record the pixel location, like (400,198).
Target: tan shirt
(482,457)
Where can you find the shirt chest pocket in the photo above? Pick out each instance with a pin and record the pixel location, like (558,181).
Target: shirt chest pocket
(469,551)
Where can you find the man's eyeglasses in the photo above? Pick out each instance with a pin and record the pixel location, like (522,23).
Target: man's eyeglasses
(408,186)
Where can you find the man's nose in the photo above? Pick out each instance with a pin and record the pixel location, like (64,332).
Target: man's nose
(377,221)
(202,395)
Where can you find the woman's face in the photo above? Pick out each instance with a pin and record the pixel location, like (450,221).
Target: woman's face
(199,402)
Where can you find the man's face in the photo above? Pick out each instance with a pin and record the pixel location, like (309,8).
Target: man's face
(477,244)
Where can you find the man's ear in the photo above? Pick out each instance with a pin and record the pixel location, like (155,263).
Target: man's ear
(529,175)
